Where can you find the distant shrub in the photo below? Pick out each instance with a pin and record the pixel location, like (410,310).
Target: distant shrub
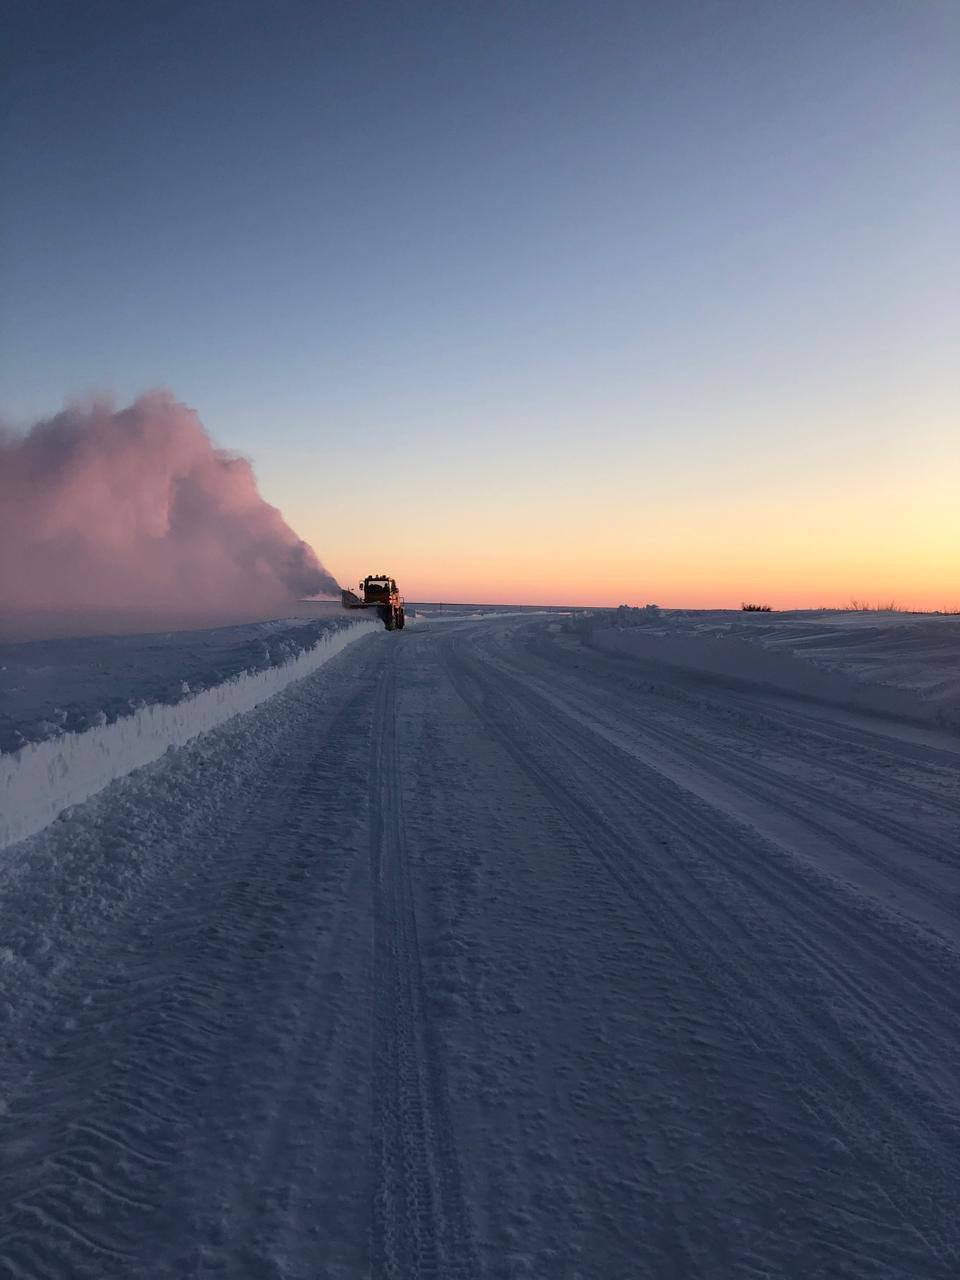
(756,608)
(864,606)
(582,624)
(630,616)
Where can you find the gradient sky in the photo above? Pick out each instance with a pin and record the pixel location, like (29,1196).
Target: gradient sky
(573,302)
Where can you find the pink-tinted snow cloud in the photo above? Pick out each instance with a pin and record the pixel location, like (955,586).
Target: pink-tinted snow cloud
(133,518)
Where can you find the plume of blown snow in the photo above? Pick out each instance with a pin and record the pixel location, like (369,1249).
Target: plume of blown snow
(132,519)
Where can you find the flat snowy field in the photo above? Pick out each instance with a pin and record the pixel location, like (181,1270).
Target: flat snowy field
(499,948)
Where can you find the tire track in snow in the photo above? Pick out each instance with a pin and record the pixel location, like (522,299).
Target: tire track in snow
(887,938)
(97,1182)
(783,1009)
(753,718)
(420,1223)
(806,802)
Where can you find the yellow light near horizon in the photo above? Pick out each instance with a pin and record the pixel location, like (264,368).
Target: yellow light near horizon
(880,534)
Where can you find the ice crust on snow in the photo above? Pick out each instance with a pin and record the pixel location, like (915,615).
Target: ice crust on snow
(182,693)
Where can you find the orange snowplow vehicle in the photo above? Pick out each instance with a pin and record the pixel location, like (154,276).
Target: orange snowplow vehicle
(379,592)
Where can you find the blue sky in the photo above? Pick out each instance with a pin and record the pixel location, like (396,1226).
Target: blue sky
(530,260)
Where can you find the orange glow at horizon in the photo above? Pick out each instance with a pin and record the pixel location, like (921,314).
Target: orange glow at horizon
(716,584)
(905,550)
(874,518)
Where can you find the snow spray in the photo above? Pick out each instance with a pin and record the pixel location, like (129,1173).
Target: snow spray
(133,518)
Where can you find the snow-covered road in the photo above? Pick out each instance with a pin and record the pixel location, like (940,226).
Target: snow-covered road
(484,953)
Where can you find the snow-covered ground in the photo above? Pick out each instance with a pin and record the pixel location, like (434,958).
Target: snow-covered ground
(80,713)
(916,652)
(52,687)
(488,951)
(875,654)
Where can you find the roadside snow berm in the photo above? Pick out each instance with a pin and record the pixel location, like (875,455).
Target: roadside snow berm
(378,592)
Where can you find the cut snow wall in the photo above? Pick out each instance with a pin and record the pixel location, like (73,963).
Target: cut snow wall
(43,778)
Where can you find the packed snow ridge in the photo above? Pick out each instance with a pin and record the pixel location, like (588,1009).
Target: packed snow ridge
(172,689)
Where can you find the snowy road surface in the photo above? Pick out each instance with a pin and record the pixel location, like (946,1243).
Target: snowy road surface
(483,953)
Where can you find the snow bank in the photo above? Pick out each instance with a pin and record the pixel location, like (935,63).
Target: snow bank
(52,687)
(739,660)
(43,778)
(893,665)
(920,653)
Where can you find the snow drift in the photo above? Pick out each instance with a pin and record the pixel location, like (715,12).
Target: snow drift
(43,778)
(900,665)
(132,519)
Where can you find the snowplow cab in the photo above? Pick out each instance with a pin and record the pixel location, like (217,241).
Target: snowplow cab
(379,591)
